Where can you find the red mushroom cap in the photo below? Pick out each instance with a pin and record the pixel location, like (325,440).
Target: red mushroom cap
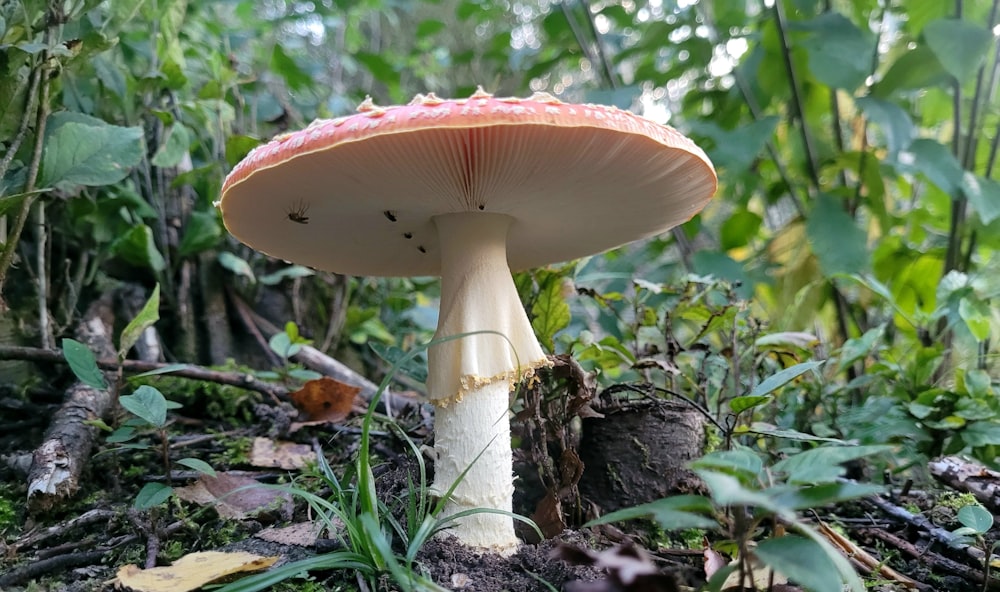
(356,194)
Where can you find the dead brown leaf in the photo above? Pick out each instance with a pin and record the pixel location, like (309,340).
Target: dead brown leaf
(282,455)
(324,400)
(238,496)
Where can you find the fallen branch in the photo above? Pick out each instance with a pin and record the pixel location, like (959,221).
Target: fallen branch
(970,477)
(243,380)
(920,521)
(57,463)
(929,557)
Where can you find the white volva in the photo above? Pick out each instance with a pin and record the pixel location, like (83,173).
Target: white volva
(470,377)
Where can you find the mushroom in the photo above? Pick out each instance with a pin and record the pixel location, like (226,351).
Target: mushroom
(467,189)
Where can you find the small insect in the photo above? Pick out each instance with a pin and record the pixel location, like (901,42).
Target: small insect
(298,213)
(421,249)
(390,215)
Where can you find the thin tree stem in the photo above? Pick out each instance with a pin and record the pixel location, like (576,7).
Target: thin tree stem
(786,54)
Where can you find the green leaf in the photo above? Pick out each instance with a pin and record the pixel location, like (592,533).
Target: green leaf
(960,46)
(779,379)
(236,265)
(823,465)
(804,498)
(739,229)
(801,560)
(893,120)
(765,429)
(918,68)
(82,362)
(936,162)
(742,463)
(672,513)
(174,147)
(429,27)
(728,491)
(976,517)
(840,53)
(982,433)
(736,149)
(149,314)
(550,312)
(838,242)
(237,147)
(138,248)
(740,404)
(283,64)
(121,435)
(202,232)
(983,195)
(163,370)
(148,404)
(198,465)
(151,495)
(82,150)
(286,273)
(383,71)
(977,316)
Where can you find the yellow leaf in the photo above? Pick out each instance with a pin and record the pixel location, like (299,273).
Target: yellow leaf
(190,572)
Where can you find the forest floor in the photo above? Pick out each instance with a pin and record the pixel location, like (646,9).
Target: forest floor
(83,542)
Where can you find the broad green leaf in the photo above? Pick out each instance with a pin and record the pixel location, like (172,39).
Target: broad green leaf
(978,383)
(837,240)
(283,64)
(804,498)
(936,162)
(823,465)
(550,312)
(960,46)
(152,495)
(983,195)
(982,433)
(138,248)
(429,27)
(236,265)
(840,53)
(121,435)
(81,150)
(977,316)
(671,513)
(766,429)
(237,147)
(892,120)
(740,404)
(148,404)
(976,517)
(918,68)
(728,491)
(148,316)
(736,149)
(383,70)
(198,465)
(739,229)
(738,462)
(202,232)
(174,146)
(282,345)
(779,379)
(82,362)
(802,560)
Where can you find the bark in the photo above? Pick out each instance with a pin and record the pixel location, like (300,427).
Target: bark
(216,313)
(964,475)
(58,462)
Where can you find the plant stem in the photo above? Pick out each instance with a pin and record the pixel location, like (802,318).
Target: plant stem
(793,81)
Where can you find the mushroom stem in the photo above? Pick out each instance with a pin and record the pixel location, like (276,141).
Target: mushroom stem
(470,376)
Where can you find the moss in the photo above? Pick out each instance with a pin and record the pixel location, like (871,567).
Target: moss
(956,500)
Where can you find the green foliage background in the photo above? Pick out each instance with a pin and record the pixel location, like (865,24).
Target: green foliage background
(856,142)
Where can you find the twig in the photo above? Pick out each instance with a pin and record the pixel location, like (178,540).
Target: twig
(793,81)
(928,557)
(49,566)
(32,539)
(609,71)
(920,521)
(247,381)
